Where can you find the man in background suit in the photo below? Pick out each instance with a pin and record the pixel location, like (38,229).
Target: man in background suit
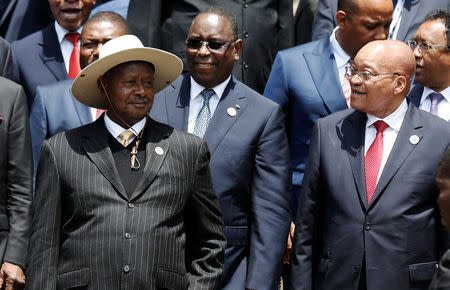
(15,184)
(441,279)
(54,108)
(308,80)
(125,202)
(6,64)
(44,57)
(249,151)
(412,15)
(367,216)
(431,47)
(265,26)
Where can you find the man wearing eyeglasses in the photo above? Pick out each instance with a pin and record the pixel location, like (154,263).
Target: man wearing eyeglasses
(248,145)
(367,216)
(431,46)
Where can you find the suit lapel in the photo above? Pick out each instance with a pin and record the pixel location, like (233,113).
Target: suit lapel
(322,66)
(221,121)
(415,95)
(353,132)
(178,108)
(402,148)
(96,145)
(51,53)
(155,136)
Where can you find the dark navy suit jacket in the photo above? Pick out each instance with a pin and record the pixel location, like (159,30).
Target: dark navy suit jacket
(416,94)
(38,60)
(397,239)
(55,110)
(251,176)
(304,81)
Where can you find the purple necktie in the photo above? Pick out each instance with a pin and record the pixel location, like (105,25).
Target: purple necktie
(435,98)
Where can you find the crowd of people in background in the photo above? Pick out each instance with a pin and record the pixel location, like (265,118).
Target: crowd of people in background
(224,144)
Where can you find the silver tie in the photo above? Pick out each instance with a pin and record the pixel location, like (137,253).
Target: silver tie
(203,117)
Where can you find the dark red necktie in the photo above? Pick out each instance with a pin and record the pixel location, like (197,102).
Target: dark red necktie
(74,64)
(372,161)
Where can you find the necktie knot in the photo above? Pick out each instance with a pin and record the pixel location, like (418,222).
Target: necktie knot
(207,94)
(73,37)
(380,126)
(435,99)
(125,136)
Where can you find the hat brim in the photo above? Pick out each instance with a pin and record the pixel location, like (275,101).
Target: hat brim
(168,68)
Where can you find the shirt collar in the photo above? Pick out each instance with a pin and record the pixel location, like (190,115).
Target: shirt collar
(115,129)
(427,91)
(61,31)
(394,120)
(341,57)
(196,88)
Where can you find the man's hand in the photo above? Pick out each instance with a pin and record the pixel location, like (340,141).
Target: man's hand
(287,253)
(11,277)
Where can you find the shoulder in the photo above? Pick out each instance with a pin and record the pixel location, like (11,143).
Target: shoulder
(31,39)
(305,48)
(55,89)
(436,125)
(9,89)
(339,117)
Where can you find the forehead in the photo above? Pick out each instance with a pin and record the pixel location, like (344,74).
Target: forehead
(100,29)
(375,10)
(209,26)
(431,30)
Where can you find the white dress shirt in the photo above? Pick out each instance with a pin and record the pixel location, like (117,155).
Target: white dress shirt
(196,101)
(65,45)
(341,57)
(394,121)
(115,129)
(443,106)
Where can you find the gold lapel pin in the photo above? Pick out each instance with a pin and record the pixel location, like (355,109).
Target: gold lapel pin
(159,151)
(231,112)
(414,139)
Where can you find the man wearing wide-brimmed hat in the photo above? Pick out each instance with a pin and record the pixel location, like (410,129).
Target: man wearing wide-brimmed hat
(125,202)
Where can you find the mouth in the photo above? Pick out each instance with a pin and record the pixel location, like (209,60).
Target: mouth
(357,93)
(418,67)
(204,65)
(71,12)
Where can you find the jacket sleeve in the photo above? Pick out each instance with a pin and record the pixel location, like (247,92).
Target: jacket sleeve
(205,240)
(19,180)
(271,203)
(46,224)
(306,227)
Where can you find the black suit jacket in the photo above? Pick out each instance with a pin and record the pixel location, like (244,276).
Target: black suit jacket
(441,279)
(15,174)
(265,26)
(88,233)
(398,236)
(6,63)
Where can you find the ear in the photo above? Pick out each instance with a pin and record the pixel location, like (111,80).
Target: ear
(237,49)
(341,19)
(400,85)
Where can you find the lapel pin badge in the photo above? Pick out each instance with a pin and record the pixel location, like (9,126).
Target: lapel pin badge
(237,106)
(414,139)
(231,112)
(159,151)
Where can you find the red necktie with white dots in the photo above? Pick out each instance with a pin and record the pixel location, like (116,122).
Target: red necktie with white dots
(372,161)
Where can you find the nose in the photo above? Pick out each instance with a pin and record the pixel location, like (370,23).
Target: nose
(97,50)
(355,79)
(381,33)
(203,50)
(417,52)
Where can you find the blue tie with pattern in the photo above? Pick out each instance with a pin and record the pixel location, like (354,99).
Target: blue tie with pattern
(203,117)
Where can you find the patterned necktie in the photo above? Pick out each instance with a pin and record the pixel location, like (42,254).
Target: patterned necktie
(203,117)
(372,161)
(74,64)
(347,90)
(126,135)
(435,99)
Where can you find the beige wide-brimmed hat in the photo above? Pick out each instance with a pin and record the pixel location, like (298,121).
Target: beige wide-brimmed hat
(119,50)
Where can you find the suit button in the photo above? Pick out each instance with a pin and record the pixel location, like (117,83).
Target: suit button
(356,268)
(131,205)
(245,34)
(127,235)
(245,5)
(367,226)
(245,66)
(126,268)
(322,115)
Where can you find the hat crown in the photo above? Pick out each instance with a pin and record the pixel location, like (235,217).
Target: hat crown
(118,44)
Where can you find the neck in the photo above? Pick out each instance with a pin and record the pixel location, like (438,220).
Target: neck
(341,40)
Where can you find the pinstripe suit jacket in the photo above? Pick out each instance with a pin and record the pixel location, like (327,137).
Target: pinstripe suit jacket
(88,233)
